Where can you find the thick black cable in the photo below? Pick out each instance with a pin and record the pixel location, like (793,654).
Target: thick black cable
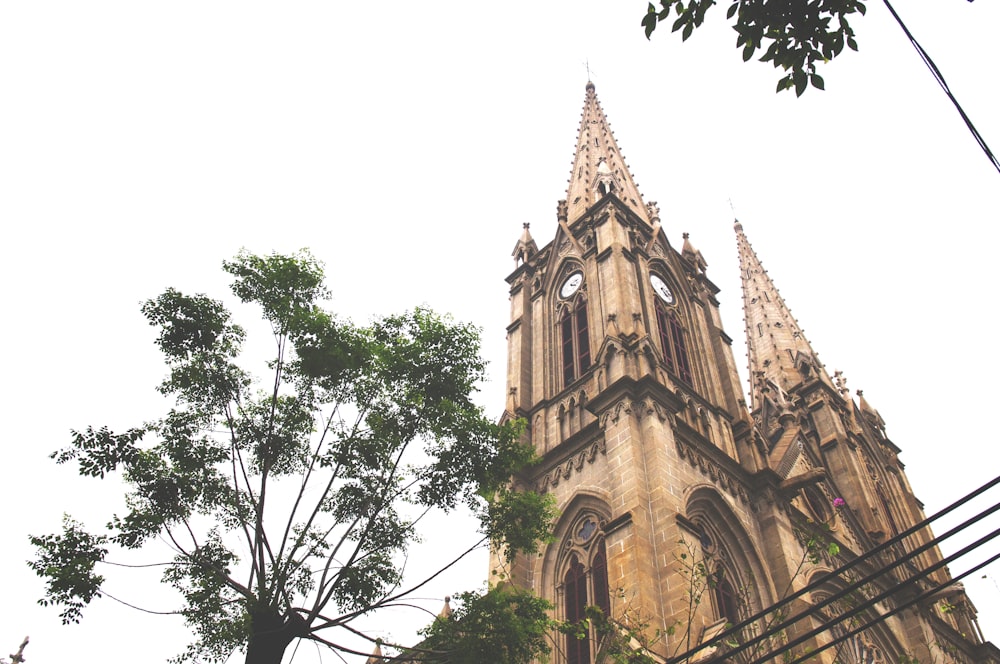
(864,581)
(826,578)
(939,77)
(867,604)
(899,608)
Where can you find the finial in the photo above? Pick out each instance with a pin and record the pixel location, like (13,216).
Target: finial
(841,382)
(446,609)
(526,225)
(685,235)
(653,210)
(562,211)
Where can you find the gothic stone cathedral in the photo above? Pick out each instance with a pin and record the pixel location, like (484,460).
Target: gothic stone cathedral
(619,365)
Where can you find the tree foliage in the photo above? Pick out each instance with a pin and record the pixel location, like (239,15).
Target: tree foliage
(290,503)
(794,35)
(503,625)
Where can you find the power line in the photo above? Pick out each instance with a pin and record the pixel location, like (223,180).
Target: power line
(735,632)
(939,77)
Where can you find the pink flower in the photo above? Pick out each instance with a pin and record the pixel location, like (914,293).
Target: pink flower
(839,502)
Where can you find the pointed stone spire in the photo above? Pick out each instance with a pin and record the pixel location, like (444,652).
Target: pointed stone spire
(376,656)
(693,255)
(869,412)
(598,165)
(779,351)
(525,247)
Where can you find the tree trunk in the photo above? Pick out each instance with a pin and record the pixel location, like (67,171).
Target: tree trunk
(270,635)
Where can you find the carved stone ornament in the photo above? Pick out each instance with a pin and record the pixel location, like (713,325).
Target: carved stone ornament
(713,471)
(575,463)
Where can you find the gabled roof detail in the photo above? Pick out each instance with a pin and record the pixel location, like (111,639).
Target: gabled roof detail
(598,165)
(779,352)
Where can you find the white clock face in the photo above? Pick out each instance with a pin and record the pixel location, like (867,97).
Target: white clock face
(661,289)
(571,284)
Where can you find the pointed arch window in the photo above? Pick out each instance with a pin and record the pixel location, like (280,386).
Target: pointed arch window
(672,342)
(584,585)
(575,585)
(727,603)
(575,335)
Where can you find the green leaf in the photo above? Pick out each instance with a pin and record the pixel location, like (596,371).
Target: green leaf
(732,10)
(649,20)
(688,29)
(801,81)
(817,81)
(851,44)
(748,51)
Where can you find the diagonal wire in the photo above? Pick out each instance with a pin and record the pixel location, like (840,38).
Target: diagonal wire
(939,77)
(819,583)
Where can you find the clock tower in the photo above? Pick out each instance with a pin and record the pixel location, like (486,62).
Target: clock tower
(619,365)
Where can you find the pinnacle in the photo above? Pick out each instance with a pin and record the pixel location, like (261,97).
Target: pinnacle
(776,344)
(599,168)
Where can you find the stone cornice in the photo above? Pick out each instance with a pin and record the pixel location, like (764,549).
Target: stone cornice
(634,390)
(711,462)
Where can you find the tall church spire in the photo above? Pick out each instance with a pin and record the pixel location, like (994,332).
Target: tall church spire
(598,165)
(780,355)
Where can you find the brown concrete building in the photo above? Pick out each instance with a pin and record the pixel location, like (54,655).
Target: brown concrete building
(684,508)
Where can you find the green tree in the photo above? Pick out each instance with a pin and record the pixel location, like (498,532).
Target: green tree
(290,504)
(795,35)
(503,625)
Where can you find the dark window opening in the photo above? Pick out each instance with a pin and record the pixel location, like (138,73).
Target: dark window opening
(672,342)
(599,570)
(680,350)
(577,650)
(575,335)
(726,601)
(569,372)
(582,587)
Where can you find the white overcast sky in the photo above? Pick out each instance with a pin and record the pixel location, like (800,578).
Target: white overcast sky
(141,143)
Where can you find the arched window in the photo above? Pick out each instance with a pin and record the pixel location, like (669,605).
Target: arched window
(672,342)
(575,334)
(599,572)
(584,585)
(727,603)
(575,586)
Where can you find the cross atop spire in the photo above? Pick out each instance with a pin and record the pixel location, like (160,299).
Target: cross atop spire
(598,166)
(779,352)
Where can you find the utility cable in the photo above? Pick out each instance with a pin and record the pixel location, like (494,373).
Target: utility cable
(735,630)
(899,608)
(939,77)
(867,604)
(860,583)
